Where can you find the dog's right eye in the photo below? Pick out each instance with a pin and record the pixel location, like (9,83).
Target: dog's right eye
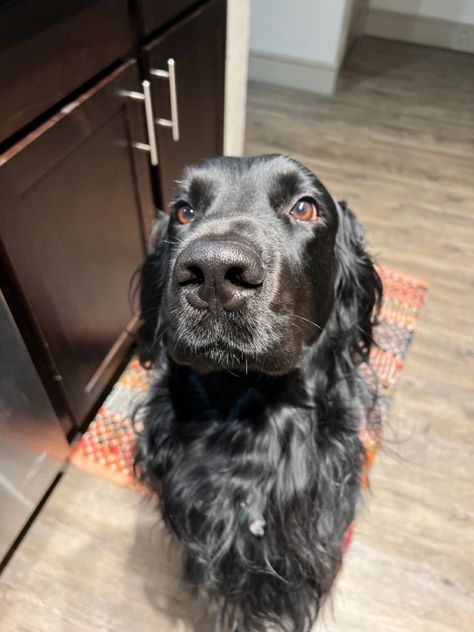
(185,214)
(305,211)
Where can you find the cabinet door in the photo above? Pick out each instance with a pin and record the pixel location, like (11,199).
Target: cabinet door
(153,15)
(75,197)
(197,47)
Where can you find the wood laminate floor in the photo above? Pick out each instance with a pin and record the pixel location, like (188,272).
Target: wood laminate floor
(397,142)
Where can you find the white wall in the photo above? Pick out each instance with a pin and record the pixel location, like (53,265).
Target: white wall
(453,10)
(302,29)
(299,43)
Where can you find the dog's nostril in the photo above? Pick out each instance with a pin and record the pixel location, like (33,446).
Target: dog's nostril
(234,275)
(197,275)
(238,277)
(192,275)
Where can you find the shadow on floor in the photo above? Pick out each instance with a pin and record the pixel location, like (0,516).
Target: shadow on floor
(156,557)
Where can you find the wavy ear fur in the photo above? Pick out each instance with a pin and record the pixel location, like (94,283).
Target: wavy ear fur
(152,283)
(347,336)
(358,286)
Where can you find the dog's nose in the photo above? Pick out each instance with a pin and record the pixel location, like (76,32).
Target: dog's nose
(219,273)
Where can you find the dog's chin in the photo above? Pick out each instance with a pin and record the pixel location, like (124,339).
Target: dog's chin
(221,357)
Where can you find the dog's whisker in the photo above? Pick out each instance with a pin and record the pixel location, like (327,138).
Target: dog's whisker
(150,310)
(229,371)
(302,318)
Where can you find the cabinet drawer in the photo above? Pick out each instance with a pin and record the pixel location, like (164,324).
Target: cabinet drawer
(155,13)
(49,49)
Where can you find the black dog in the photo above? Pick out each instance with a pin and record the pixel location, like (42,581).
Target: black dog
(257,309)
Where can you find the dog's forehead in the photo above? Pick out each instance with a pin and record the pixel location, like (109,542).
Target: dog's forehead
(246,183)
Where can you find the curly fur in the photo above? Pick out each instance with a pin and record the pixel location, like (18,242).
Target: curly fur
(229,445)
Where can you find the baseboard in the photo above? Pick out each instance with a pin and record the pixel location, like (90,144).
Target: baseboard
(292,72)
(420,30)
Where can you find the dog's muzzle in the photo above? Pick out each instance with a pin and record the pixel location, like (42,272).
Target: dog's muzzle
(218,274)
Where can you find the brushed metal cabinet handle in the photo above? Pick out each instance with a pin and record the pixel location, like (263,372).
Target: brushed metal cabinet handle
(170,75)
(145,96)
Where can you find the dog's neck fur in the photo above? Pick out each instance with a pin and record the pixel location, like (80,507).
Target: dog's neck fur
(227,396)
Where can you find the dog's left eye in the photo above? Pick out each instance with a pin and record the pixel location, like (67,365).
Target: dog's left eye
(305,211)
(185,214)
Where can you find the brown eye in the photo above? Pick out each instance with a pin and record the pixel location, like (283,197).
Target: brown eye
(185,214)
(304,211)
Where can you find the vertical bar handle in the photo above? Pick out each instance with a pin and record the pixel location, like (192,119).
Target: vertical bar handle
(169,74)
(145,96)
(150,124)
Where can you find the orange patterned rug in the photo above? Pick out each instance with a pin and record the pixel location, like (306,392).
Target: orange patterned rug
(107,446)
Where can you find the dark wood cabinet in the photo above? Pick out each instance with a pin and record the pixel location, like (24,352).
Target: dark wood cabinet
(154,14)
(49,49)
(77,189)
(75,196)
(197,47)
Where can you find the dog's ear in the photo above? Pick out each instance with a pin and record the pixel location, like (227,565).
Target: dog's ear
(358,285)
(152,283)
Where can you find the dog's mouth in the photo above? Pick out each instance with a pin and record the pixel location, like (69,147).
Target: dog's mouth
(220,357)
(218,342)
(233,361)
(211,341)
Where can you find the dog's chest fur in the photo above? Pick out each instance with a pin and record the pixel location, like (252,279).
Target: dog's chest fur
(260,492)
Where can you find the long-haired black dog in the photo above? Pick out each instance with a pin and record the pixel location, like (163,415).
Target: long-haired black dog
(257,309)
